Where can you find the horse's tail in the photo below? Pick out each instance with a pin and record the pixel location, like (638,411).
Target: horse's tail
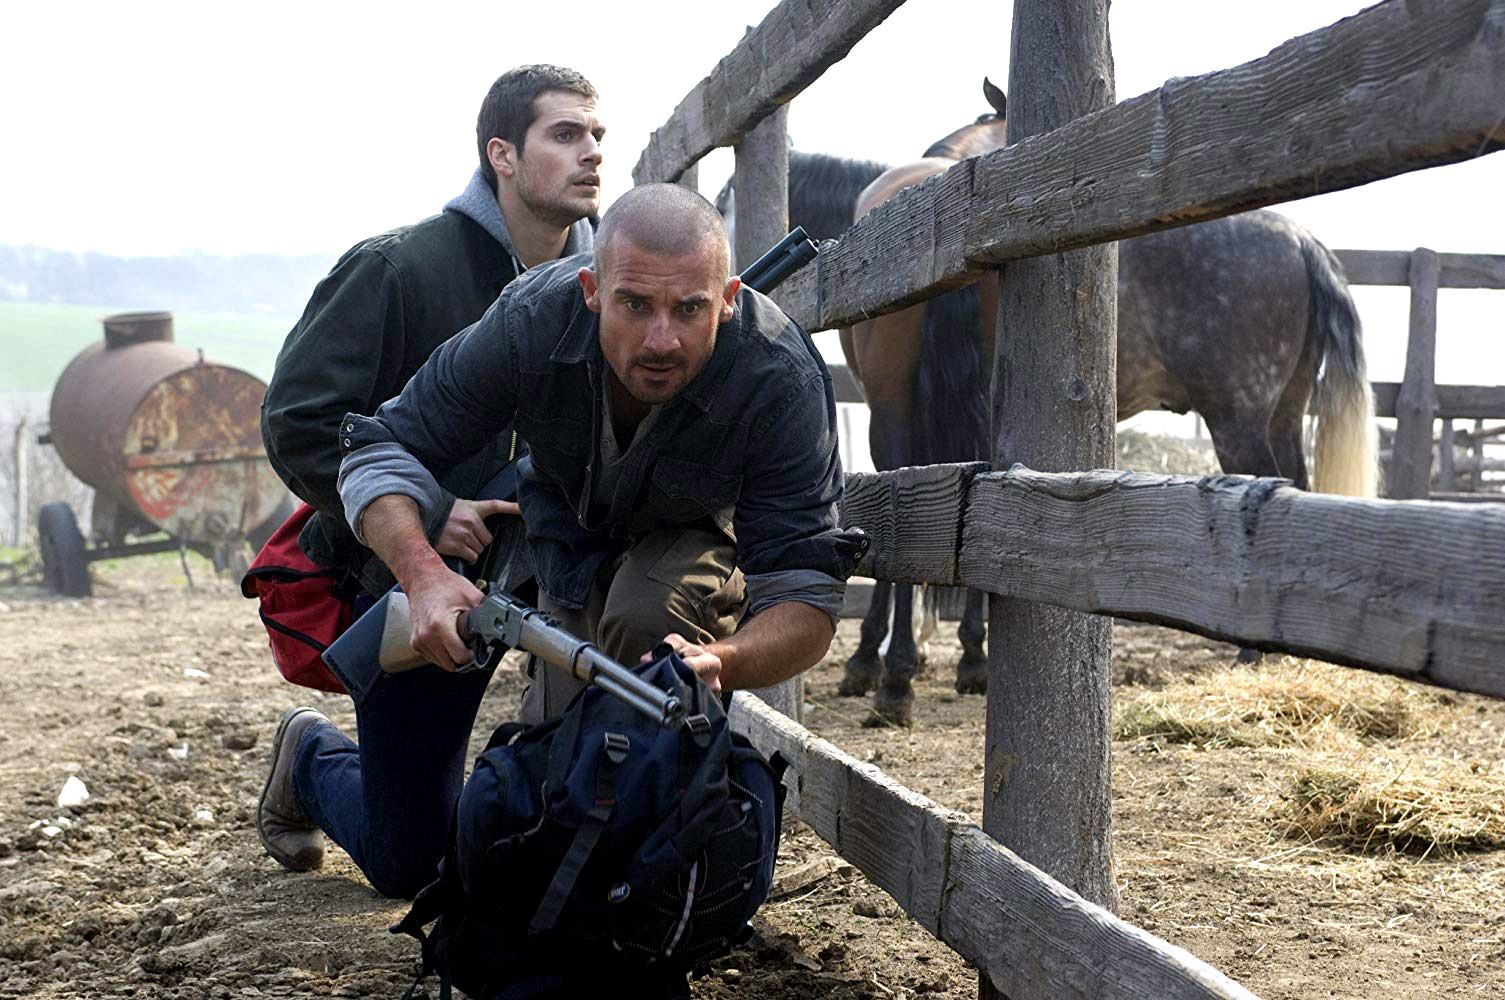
(951,382)
(1346,458)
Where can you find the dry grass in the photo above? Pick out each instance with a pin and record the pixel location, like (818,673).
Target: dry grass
(1415,807)
(1284,702)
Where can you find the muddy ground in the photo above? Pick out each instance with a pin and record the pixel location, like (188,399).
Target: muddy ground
(163,702)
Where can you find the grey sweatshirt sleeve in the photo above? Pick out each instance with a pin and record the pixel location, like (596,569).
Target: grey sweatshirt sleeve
(807,586)
(383,469)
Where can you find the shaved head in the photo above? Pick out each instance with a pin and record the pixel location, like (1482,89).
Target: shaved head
(666,220)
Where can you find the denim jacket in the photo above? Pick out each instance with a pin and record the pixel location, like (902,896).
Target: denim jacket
(750,442)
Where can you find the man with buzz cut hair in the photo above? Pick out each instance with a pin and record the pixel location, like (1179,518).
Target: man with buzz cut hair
(683,476)
(386,306)
(681,485)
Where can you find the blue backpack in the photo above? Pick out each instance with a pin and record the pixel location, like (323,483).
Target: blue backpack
(598,850)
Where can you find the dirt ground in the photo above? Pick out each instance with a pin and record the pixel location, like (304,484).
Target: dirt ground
(163,703)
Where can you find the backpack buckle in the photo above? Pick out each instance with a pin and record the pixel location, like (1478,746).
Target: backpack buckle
(700,728)
(616,746)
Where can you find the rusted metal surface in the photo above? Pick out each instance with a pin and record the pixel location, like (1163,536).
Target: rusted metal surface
(124,329)
(159,430)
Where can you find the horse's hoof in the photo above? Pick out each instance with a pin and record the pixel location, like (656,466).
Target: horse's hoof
(859,677)
(891,709)
(1247,655)
(972,677)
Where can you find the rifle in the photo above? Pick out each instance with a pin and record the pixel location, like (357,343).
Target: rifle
(382,637)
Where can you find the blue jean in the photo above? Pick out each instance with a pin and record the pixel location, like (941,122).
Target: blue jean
(388,799)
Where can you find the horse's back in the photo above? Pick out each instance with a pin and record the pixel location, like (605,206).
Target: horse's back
(896,179)
(1210,315)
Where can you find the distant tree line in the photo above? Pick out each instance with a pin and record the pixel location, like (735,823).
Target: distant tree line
(191,282)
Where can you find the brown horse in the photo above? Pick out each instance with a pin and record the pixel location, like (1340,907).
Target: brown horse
(1234,319)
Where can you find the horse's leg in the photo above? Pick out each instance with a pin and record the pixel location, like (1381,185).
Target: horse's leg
(1243,447)
(887,351)
(864,667)
(972,669)
(894,703)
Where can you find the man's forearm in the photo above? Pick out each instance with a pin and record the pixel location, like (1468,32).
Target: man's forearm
(393,529)
(777,644)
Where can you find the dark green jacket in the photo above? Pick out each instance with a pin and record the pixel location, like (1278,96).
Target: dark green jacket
(372,322)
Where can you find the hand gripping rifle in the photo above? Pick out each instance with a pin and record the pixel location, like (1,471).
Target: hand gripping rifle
(380,641)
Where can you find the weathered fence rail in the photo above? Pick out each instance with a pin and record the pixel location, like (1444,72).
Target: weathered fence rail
(789,49)
(1398,87)
(1363,99)
(1416,589)
(1030,936)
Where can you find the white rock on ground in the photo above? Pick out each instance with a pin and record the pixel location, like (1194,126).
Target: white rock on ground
(74,793)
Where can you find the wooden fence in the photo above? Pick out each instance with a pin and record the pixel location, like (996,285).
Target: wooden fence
(1411,588)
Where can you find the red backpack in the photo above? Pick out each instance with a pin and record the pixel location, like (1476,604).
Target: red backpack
(303,605)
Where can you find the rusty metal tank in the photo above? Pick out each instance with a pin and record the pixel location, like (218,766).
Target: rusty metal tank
(159,430)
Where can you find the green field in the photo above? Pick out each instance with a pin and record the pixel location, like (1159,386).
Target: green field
(38,340)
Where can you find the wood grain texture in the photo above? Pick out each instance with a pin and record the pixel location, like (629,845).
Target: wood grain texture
(1393,267)
(762,186)
(792,46)
(1456,401)
(1395,88)
(1407,587)
(761,179)
(1030,936)
(1047,783)
(1410,472)
(913,517)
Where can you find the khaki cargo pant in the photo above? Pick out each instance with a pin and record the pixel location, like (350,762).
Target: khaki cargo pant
(681,580)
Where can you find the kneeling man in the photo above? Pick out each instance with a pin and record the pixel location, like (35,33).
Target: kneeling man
(682,483)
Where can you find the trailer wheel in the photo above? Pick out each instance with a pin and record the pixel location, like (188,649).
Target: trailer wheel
(65,563)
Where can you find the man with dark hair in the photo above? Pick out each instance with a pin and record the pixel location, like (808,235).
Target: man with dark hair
(681,484)
(387,305)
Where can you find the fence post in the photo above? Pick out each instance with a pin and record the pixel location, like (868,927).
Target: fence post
(761,179)
(1046,794)
(1476,483)
(690,178)
(1411,462)
(1447,479)
(22,487)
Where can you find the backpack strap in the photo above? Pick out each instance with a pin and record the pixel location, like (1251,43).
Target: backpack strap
(613,752)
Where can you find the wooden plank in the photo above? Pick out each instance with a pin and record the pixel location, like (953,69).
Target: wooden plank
(1485,402)
(1047,783)
(1030,936)
(762,184)
(1410,472)
(1411,588)
(1468,497)
(1393,267)
(793,45)
(1395,88)
(1447,479)
(913,517)
(845,384)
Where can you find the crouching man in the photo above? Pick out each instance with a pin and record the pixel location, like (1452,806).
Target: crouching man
(682,483)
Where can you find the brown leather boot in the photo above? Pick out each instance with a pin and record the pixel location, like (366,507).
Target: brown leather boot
(287,833)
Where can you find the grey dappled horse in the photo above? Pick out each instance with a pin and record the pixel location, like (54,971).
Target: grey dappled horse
(1243,319)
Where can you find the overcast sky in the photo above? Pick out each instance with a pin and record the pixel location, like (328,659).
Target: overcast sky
(155,127)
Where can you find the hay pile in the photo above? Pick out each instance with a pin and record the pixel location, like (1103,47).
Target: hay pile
(1284,702)
(1164,456)
(1412,806)
(1362,776)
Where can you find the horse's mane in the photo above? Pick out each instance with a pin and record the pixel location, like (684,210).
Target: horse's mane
(823,191)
